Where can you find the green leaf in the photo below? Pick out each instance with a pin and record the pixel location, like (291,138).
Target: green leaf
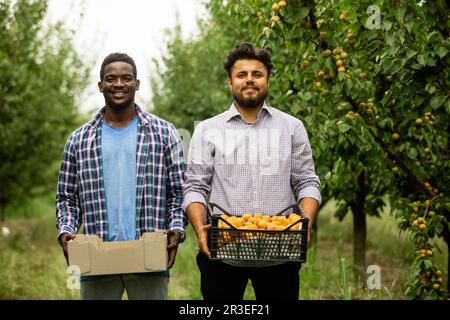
(412,153)
(430,88)
(344,127)
(410,53)
(303,12)
(306,96)
(441,52)
(295,109)
(399,14)
(371,34)
(439,228)
(421,60)
(409,26)
(387,25)
(437,101)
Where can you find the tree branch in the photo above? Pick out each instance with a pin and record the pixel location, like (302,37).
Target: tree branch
(413,179)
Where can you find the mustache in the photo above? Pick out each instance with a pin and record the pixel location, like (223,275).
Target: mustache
(250,87)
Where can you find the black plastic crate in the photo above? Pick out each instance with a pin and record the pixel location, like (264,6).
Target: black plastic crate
(257,245)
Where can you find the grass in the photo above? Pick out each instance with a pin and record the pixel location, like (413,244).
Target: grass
(34,267)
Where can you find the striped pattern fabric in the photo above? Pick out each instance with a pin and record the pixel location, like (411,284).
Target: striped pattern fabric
(81,199)
(262,167)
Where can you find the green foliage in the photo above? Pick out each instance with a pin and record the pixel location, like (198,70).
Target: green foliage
(374,98)
(41,76)
(354,87)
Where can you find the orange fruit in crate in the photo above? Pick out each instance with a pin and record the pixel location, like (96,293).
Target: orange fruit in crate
(294,217)
(272,226)
(284,222)
(251,220)
(249,223)
(222,224)
(258,216)
(238,222)
(262,224)
(267,218)
(246,216)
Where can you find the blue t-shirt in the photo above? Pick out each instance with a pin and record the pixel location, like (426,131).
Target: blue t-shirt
(119,175)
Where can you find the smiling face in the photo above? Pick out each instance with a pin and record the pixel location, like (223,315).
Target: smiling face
(249,83)
(119,85)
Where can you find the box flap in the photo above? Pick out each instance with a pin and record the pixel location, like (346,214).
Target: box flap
(154,244)
(79,255)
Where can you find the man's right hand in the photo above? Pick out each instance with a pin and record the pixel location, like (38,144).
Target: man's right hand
(202,237)
(63,239)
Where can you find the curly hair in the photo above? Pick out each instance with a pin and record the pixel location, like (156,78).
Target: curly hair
(248,51)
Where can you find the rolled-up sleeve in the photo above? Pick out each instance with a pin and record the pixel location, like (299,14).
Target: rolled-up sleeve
(304,181)
(200,169)
(68,211)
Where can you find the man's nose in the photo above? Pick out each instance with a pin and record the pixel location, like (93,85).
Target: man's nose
(119,83)
(249,79)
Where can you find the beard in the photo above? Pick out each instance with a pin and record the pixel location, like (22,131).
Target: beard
(251,102)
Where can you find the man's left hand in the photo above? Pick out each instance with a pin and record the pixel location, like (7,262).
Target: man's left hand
(173,239)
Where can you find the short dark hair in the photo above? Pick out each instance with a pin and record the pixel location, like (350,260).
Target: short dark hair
(248,51)
(115,57)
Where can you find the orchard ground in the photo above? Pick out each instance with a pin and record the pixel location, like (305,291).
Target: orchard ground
(34,267)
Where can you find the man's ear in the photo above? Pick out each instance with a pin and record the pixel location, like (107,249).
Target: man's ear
(138,83)
(229,83)
(100,86)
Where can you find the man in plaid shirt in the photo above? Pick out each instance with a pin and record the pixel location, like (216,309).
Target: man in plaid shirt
(251,158)
(121,175)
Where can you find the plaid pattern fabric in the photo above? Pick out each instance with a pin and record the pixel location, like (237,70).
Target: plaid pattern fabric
(160,172)
(250,168)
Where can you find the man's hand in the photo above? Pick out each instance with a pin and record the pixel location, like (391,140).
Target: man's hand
(173,239)
(202,238)
(63,239)
(310,208)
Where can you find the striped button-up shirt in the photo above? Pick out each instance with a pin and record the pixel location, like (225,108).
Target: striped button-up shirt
(262,167)
(160,169)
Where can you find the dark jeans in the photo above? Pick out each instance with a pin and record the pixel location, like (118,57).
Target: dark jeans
(221,281)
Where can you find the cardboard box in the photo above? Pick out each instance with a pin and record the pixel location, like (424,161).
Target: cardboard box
(95,257)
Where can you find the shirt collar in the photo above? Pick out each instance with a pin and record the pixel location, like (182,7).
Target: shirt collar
(100,115)
(233,112)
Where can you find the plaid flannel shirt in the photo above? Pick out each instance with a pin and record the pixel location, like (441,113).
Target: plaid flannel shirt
(160,172)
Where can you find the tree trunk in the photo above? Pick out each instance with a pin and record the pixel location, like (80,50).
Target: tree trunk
(446,236)
(2,214)
(360,229)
